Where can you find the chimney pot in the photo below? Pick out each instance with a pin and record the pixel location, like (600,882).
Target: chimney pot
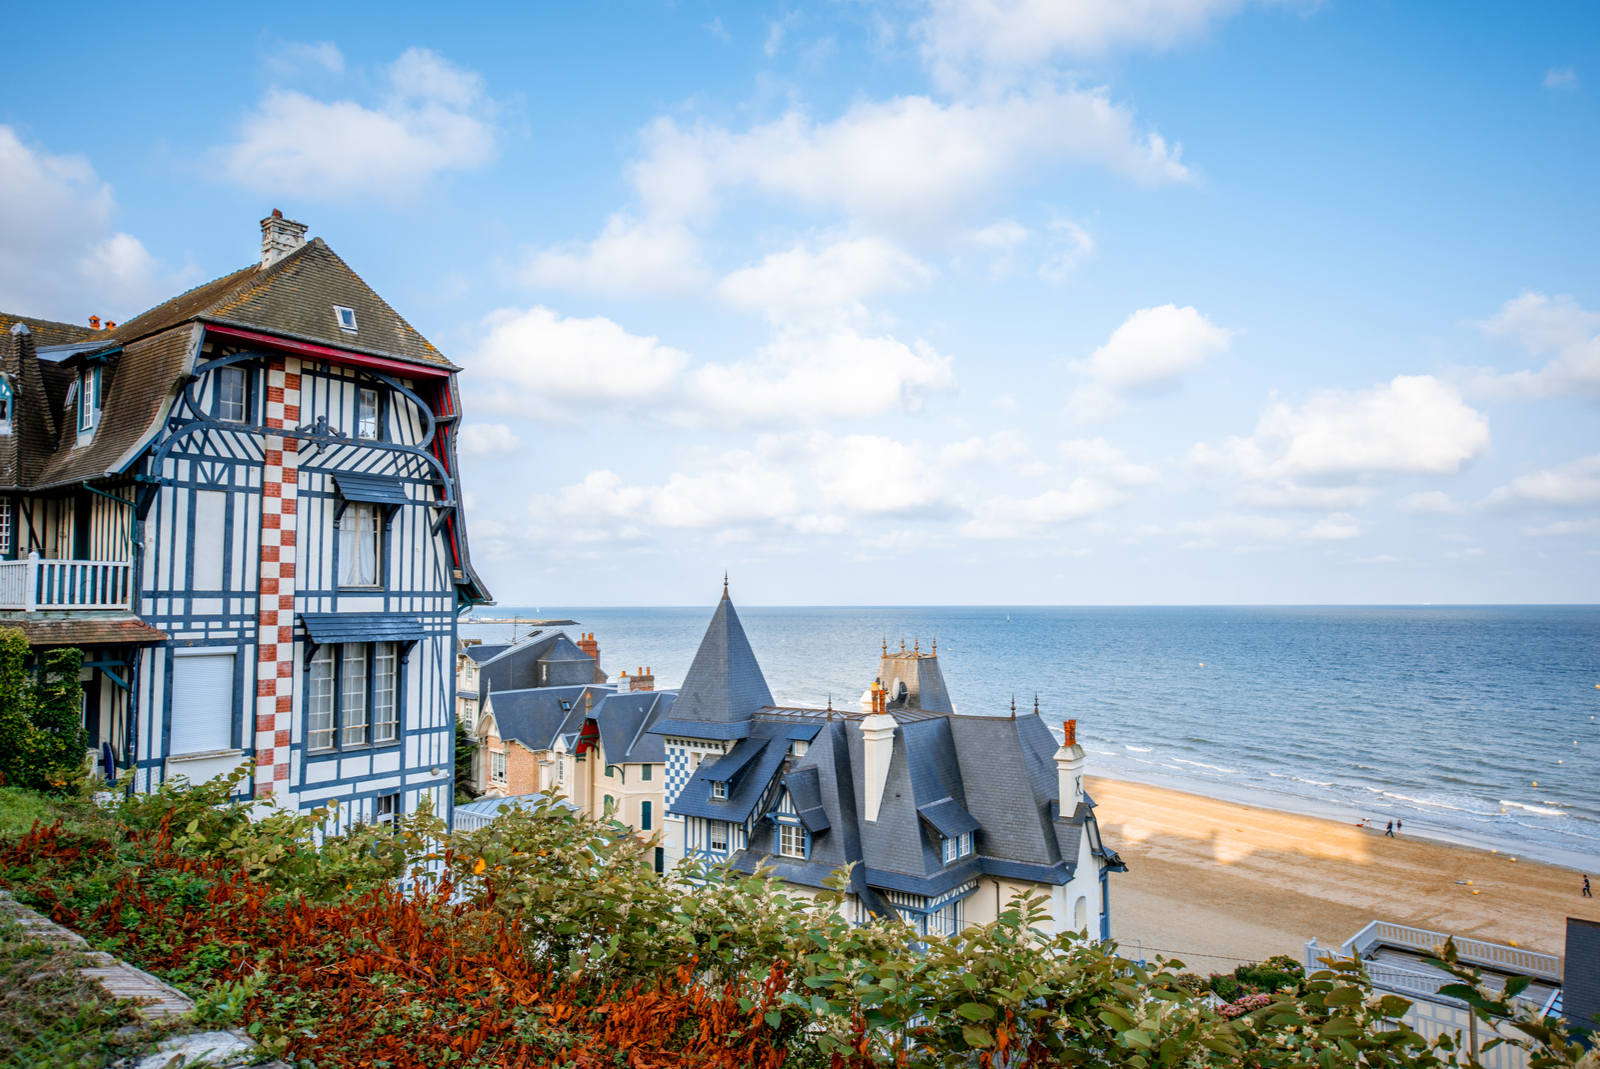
(94,322)
(276,214)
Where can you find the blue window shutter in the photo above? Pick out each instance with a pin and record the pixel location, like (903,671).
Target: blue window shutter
(644,816)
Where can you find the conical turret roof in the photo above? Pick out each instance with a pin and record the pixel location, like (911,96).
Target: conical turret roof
(724,684)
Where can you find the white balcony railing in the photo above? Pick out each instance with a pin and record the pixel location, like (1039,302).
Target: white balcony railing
(34,584)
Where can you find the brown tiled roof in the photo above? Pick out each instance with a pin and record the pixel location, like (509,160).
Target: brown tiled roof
(86,632)
(138,385)
(49,332)
(295,297)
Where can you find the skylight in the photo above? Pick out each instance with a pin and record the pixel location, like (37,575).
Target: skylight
(346,317)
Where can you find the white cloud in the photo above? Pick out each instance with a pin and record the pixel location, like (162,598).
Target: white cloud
(1286,494)
(872,475)
(1070,246)
(999,448)
(1009,517)
(550,367)
(61,257)
(434,118)
(1336,527)
(1428,501)
(1563,527)
(804,280)
(1577,483)
(909,162)
(1008,37)
(1561,78)
(1151,348)
(1100,457)
(741,491)
(630,258)
(804,375)
(297,56)
(488,439)
(1414,423)
(1543,325)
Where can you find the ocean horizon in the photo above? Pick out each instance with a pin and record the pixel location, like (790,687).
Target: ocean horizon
(1469,723)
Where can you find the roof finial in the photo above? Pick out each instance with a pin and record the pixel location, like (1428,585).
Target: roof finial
(902,643)
(830,705)
(724,584)
(1013,705)
(1035,703)
(936,645)
(886,645)
(916,646)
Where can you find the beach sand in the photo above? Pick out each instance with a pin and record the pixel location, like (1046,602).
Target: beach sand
(1215,883)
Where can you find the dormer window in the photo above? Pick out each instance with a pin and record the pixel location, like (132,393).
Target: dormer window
(719,789)
(5,407)
(89,398)
(346,318)
(798,747)
(958,847)
(791,841)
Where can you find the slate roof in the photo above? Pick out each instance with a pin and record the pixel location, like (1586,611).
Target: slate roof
(622,720)
(483,651)
(294,298)
(534,716)
(724,684)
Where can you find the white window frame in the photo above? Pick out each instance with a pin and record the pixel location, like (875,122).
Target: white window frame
(89,398)
(360,522)
(5,524)
(719,789)
(798,747)
(353,697)
(713,829)
(346,318)
(497,765)
(368,421)
(791,841)
(386,810)
(950,850)
(234,376)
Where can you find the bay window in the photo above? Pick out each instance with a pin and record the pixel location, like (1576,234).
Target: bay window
(352,696)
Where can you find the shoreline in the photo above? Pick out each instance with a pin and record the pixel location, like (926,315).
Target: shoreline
(1418,828)
(1223,881)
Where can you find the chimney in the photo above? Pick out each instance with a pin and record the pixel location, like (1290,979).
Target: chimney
(877,750)
(643,679)
(279,237)
(1069,770)
(588,645)
(110,325)
(94,322)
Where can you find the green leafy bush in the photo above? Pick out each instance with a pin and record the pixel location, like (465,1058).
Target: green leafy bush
(42,741)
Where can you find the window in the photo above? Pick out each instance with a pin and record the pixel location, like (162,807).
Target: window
(358,545)
(5,535)
(566,706)
(497,765)
(367,415)
(791,840)
(561,771)
(644,775)
(945,921)
(611,805)
(799,747)
(232,387)
(611,772)
(386,810)
(202,703)
(353,686)
(966,844)
(644,816)
(346,318)
(719,789)
(5,405)
(89,399)
(960,846)
(949,851)
(717,835)
(661,859)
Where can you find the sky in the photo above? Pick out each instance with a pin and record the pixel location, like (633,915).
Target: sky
(954,302)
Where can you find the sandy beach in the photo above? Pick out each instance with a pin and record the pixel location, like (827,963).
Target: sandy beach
(1215,883)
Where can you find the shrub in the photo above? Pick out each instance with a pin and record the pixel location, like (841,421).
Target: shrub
(42,740)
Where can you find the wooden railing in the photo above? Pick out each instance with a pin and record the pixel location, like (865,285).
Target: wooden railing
(36,584)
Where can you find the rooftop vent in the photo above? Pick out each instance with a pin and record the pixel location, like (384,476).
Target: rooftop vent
(280,237)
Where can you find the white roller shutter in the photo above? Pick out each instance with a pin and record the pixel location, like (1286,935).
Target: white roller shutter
(202,703)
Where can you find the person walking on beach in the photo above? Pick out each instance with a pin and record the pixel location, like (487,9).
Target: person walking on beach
(1397,826)
(1389,831)
(1586,892)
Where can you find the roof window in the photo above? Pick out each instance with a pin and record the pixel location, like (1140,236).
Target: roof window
(346,317)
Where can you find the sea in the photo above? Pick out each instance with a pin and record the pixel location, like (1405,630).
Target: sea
(1469,724)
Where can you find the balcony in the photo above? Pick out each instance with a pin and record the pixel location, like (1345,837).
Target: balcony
(36,585)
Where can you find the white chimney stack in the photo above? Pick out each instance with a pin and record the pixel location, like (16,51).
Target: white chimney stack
(279,237)
(877,749)
(1069,770)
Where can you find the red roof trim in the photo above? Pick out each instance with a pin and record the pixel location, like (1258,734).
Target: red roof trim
(334,356)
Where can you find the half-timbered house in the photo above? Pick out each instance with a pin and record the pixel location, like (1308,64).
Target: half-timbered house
(944,816)
(243,505)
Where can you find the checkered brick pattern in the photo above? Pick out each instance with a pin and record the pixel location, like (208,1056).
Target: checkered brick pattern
(279,512)
(677,774)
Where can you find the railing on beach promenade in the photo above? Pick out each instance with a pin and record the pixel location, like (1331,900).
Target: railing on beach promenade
(1476,951)
(1419,981)
(35,584)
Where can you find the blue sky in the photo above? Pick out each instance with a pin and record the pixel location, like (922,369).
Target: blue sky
(969,301)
